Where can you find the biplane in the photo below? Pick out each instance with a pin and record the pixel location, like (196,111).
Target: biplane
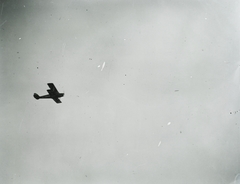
(52,93)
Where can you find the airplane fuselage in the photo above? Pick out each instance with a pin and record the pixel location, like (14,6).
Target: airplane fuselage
(54,94)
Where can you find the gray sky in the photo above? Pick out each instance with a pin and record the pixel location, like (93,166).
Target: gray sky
(151,92)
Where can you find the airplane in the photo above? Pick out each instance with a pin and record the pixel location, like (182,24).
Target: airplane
(52,93)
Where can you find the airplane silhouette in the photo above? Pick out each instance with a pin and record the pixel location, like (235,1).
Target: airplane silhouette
(52,93)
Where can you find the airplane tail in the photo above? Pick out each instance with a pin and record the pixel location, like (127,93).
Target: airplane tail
(36,96)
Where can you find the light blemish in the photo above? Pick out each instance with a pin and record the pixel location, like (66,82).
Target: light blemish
(63,48)
(190,76)
(2,8)
(169,123)
(19,38)
(160,142)
(98,66)
(236,75)
(103,66)
(24,6)
(237,179)
(3,23)
(20,125)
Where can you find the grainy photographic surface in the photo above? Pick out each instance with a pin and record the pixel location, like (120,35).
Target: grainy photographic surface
(151,92)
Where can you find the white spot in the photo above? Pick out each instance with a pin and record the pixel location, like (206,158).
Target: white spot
(98,66)
(19,38)
(159,143)
(190,76)
(24,6)
(103,66)
(205,18)
(124,39)
(169,123)
(127,154)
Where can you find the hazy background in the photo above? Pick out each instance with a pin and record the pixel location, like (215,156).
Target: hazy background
(151,91)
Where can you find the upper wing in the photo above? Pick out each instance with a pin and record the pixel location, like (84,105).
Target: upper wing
(57,100)
(52,87)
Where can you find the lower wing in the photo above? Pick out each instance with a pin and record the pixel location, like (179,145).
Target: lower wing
(57,100)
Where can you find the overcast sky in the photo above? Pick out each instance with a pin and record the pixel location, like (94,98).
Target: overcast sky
(151,92)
